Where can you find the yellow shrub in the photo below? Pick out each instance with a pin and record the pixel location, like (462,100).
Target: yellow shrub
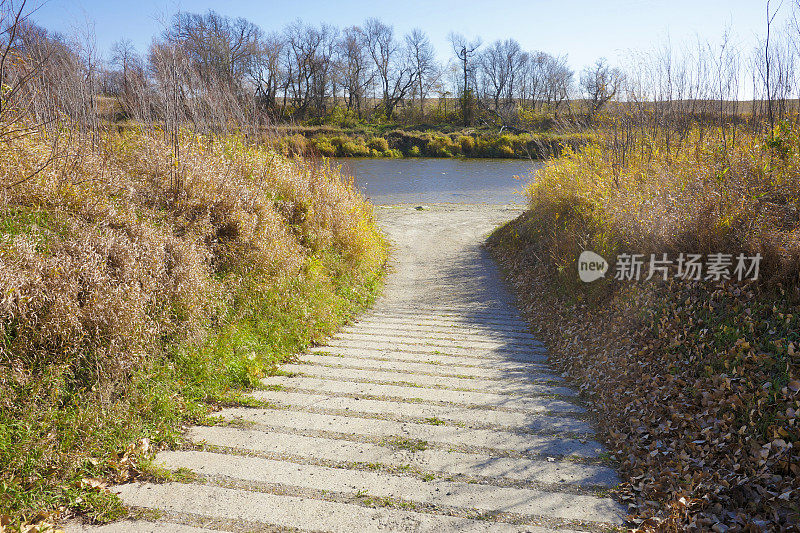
(132,247)
(467,144)
(379,144)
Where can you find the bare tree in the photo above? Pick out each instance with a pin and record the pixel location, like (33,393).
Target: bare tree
(465,51)
(558,81)
(324,75)
(532,78)
(494,70)
(354,64)
(131,75)
(422,56)
(726,86)
(265,71)
(219,48)
(516,60)
(25,53)
(303,45)
(394,69)
(600,83)
(12,17)
(501,64)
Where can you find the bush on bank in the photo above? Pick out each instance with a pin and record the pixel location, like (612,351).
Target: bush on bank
(696,384)
(137,291)
(403,143)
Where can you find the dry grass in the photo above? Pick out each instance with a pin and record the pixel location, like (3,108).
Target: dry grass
(703,196)
(125,247)
(135,287)
(696,384)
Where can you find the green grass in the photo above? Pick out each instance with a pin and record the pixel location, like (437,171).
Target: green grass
(402,443)
(384,501)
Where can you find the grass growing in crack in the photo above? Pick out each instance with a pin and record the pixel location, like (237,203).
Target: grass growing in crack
(146,515)
(383,501)
(485,516)
(211,420)
(402,443)
(153,472)
(434,421)
(366,466)
(277,371)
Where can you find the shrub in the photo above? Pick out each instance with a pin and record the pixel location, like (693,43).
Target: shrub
(535,120)
(442,146)
(504,150)
(467,144)
(504,146)
(324,146)
(296,144)
(415,151)
(343,118)
(700,200)
(379,144)
(354,148)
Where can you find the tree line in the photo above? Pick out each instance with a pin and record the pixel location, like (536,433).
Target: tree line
(215,72)
(212,67)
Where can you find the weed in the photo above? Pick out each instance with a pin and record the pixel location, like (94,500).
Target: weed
(402,443)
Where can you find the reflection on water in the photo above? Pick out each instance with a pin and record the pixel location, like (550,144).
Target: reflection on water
(428,180)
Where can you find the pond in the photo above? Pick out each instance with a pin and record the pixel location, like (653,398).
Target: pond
(430,180)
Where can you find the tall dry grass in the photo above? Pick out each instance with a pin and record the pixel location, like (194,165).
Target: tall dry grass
(124,246)
(702,196)
(136,286)
(695,384)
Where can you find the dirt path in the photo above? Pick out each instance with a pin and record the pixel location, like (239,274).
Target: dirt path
(436,411)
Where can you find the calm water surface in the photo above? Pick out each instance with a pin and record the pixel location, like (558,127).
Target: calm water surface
(429,180)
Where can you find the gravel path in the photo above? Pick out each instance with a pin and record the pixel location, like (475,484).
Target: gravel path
(436,411)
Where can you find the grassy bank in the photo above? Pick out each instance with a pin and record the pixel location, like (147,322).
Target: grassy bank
(141,290)
(437,142)
(695,383)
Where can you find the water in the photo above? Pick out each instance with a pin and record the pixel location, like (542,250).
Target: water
(429,180)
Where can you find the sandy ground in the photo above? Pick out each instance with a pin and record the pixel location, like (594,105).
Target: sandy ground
(437,255)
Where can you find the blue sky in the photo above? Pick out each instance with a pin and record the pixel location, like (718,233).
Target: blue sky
(585,30)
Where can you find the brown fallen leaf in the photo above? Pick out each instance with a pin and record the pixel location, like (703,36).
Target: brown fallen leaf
(93,483)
